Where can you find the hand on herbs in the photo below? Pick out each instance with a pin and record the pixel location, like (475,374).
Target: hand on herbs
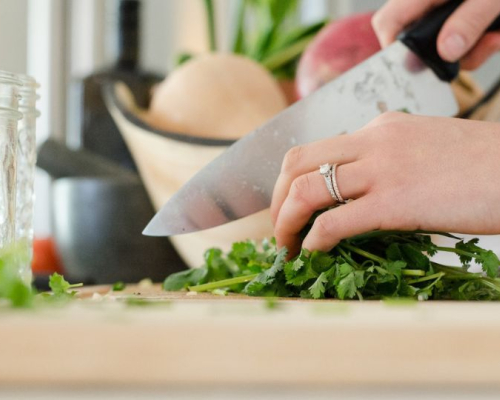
(402,172)
(462,36)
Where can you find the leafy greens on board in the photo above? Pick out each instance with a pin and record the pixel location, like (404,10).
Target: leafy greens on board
(376,265)
(16,292)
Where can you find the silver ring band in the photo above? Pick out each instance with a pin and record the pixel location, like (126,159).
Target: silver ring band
(329,173)
(326,171)
(335,186)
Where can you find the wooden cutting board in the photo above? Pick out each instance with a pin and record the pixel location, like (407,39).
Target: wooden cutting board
(179,339)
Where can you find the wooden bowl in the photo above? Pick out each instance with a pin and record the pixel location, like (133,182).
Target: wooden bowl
(166,161)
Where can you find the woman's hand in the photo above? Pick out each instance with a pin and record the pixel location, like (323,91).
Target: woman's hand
(403,172)
(461,38)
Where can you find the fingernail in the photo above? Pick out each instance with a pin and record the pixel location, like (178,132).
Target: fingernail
(453,47)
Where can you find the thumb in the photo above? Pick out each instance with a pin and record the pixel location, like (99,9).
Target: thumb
(465,27)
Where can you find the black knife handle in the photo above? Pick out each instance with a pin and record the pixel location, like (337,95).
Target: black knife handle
(422,36)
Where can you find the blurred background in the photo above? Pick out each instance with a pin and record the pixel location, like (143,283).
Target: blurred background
(70,45)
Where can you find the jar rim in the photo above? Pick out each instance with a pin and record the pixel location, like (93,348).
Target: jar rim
(10,78)
(29,83)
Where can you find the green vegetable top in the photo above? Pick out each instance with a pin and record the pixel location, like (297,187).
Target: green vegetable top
(267,32)
(375,265)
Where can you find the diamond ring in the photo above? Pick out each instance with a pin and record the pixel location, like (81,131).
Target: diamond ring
(329,172)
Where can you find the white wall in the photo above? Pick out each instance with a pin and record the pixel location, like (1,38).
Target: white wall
(13,35)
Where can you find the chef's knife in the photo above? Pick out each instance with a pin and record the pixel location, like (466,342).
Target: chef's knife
(407,75)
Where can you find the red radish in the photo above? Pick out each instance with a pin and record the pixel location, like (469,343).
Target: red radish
(338,47)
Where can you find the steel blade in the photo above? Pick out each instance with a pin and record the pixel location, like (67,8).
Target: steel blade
(241,180)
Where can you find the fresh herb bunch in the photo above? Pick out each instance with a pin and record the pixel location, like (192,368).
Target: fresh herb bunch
(376,265)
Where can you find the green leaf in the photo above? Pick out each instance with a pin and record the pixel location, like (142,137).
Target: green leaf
(292,268)
(395,268)
(299,271)
(119,286)
(469,247)
(346,287)
(489,262)
(12,287)
(321,261)
(58,284)
(243,250)
(181,280)
(20,294)
(488,259)
(426,245)
(317,289)
(414,257)
(60,287)
(359,278)
(393,252)
(217,267)
(266,278)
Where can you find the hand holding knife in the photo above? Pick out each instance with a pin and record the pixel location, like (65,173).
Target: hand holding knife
(240,182)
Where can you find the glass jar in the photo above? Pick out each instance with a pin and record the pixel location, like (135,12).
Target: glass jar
(26,160)
(9,90)
(9,117)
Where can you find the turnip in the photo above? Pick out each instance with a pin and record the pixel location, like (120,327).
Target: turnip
(216,95)
(337,48)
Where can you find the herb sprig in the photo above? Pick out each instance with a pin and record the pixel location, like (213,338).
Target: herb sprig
(376,265)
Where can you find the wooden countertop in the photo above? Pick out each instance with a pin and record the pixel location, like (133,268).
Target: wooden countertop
(179,339)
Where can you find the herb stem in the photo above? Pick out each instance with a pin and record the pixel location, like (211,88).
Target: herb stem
(344,254)
(459,273)
(456,251)
(206,287)
(412,272)
(363,253)
(427,278)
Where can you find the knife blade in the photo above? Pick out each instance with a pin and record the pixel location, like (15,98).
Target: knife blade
(240,181)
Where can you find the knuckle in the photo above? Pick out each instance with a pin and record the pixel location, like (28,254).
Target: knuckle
(391,127)
(292,159)
(384,119)
(323,225)
(299,190)
(388,117)
(376,21)
(473,25)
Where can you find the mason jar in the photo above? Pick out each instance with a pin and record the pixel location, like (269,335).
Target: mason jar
(9,117)
(10,85)
(26,160)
